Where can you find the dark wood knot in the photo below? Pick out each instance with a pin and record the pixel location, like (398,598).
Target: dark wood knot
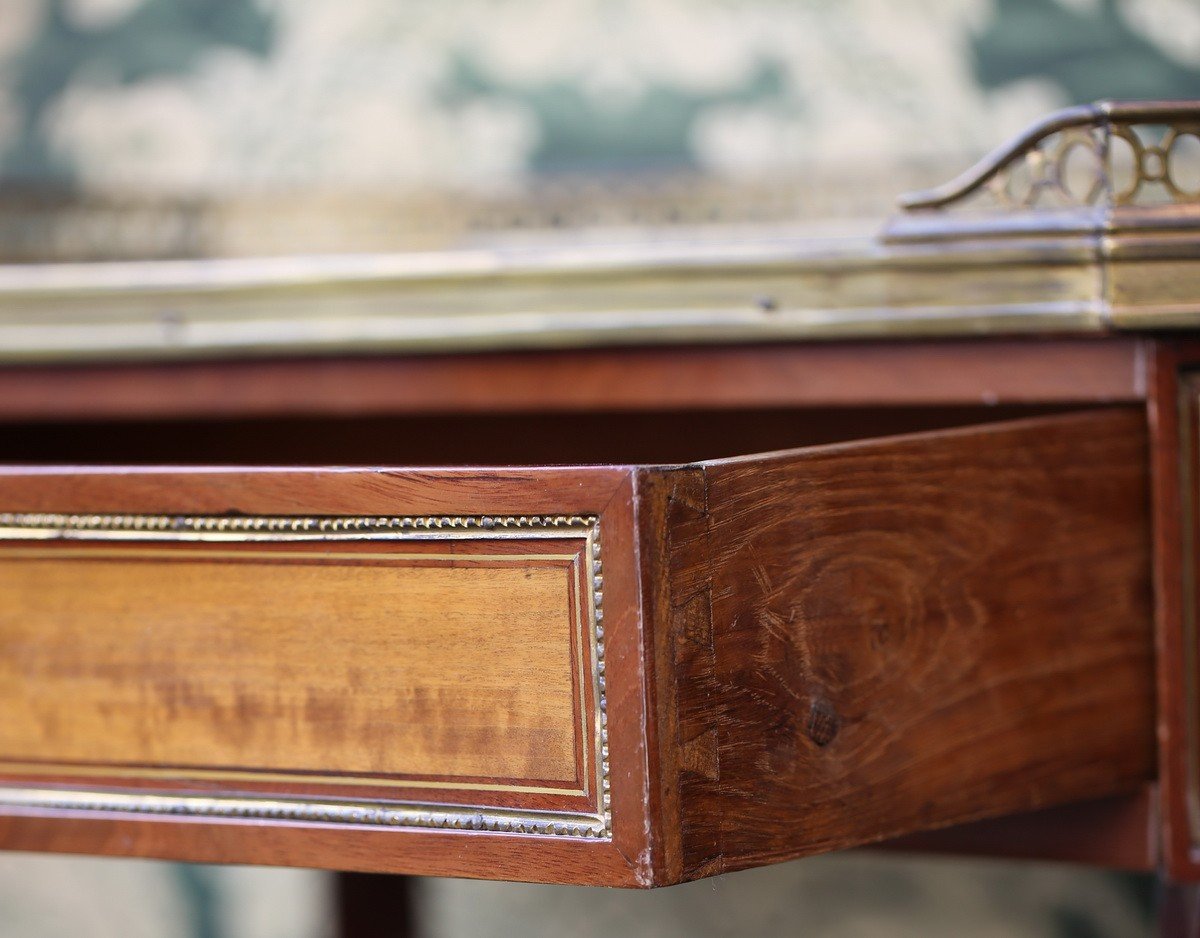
(823,722)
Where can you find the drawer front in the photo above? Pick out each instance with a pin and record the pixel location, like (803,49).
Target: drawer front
(391,654)
(405,672)
(623,676)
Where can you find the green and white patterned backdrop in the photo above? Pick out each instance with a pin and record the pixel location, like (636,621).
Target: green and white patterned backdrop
(227,126)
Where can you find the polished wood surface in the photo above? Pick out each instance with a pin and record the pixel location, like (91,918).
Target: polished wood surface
(836,374)
(845,643)
(392,666)
(1167,474)
(868,639)
(1121,833)
(1174,413)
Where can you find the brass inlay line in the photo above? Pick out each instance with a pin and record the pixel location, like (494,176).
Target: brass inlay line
(102,554)
(97,527)
(266,775)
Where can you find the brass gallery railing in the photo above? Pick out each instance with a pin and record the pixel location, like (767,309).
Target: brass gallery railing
(1111,153)
(1089,222)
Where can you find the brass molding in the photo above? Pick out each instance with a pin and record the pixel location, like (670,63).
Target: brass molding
(39,525)
(742,289)
(30,526)
(440,817)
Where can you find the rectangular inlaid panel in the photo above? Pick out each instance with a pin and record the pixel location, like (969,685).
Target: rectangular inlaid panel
(401,665)
(384,665)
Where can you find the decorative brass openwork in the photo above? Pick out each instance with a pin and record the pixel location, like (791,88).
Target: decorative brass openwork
(1099,155)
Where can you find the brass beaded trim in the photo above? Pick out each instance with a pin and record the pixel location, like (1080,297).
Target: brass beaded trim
(438,817)
(64,525)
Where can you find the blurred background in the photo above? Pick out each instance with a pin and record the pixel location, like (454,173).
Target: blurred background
(167,128)
(193,128)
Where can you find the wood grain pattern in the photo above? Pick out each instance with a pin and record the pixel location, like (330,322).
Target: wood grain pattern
(804,650)
(326,661)
(877,638)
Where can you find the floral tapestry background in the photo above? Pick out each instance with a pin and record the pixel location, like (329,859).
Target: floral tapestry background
(193,127)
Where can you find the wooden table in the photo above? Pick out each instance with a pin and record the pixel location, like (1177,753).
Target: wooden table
(704,555)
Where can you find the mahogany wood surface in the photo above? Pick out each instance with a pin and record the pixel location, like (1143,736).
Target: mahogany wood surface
(891,373)
(1174,413)
(1167,473)
(863,640)
(1121,832)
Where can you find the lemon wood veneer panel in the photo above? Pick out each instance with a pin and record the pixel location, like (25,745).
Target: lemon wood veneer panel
(392,663)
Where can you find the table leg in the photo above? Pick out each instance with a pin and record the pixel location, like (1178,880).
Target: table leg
(1179,910)
(374,905)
